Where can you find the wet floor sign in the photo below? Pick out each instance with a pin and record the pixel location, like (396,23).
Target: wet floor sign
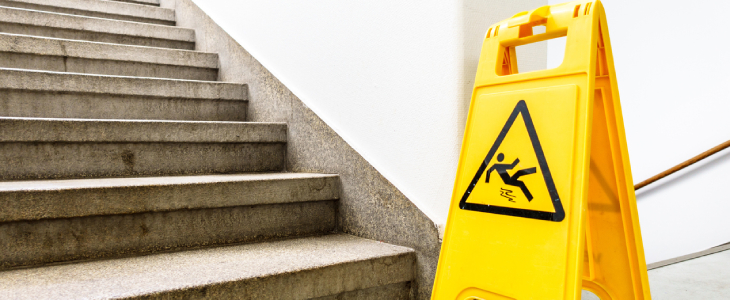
(543,204)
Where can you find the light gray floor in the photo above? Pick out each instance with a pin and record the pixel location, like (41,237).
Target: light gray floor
(706,278)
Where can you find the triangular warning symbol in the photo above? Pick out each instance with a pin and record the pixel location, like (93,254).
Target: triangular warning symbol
(514,178)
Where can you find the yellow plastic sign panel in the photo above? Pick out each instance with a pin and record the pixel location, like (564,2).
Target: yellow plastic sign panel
(543,203)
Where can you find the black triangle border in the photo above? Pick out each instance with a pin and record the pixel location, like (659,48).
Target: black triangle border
(558,215)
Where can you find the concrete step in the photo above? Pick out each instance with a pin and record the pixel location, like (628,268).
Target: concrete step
(40,23)
(40,53)
(34,148)
(44,221)
(141,2)
(304,268)
(25,93)
(99,9)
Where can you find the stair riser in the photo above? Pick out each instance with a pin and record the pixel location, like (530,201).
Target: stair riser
(93,36)
(103,67)
(308,284)
(19,103)
(78,160)
(86,13)
(57,240)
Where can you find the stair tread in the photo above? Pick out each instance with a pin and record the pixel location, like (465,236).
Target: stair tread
(107,7)
(248,270)
(18,43)
(71,184)
(18,129)
(83,23)
(11,78)
(46,199)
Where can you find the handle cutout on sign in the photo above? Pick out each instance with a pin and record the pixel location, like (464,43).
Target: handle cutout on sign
(528,30)
(529,56)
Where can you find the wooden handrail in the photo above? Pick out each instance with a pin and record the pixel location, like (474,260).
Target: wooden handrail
(683,165)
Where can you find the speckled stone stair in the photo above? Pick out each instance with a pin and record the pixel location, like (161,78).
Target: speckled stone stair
(44,221)
(35,148)
(129,172)
(100,9)
(65,26)
(26,93)
(59,55)
(330,267)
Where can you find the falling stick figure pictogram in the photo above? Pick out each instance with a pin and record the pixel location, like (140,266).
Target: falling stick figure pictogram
(514,179)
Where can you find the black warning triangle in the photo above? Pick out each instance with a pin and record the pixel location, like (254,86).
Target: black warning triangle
(558,215)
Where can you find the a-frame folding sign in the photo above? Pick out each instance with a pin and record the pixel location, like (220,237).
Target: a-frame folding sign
(543,203)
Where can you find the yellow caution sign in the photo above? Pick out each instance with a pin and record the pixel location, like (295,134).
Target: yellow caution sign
(543,203)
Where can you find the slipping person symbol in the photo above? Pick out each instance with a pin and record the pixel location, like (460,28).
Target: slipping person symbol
(514,179)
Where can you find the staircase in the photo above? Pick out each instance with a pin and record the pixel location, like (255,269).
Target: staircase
(129,172)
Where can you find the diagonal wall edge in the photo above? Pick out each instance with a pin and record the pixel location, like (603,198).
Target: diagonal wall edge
(370,206)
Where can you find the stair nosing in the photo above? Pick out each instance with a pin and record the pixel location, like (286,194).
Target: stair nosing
(151,181)
(120,76)
(65,48)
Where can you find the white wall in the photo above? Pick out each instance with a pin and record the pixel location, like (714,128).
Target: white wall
(671,61)
(393,78)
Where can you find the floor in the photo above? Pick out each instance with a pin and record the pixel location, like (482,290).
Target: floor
(706,278)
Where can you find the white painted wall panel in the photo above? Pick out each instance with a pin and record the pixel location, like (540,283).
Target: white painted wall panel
(671,63)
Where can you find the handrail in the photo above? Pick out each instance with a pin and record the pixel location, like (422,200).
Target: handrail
(683,165)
